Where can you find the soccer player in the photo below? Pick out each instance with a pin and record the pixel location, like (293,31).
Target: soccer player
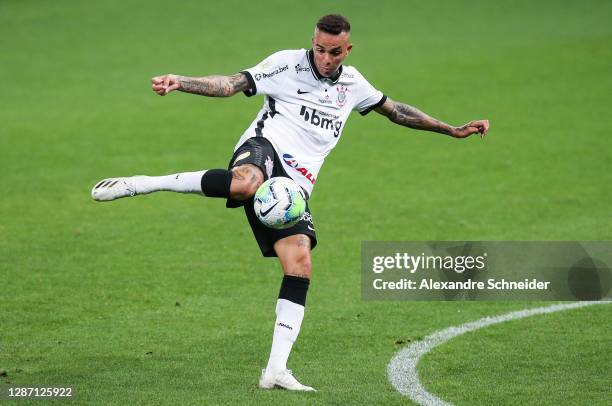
(309,95)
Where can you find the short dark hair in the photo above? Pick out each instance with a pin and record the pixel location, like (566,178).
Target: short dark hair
(334,24)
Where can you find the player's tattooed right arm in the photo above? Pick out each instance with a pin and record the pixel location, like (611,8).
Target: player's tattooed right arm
(412,117)
(212,86)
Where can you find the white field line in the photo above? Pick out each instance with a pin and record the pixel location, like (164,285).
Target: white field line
(402,367)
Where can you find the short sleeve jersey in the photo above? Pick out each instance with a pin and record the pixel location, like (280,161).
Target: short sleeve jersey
(304,113)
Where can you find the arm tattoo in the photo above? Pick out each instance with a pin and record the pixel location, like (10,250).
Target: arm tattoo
(214,86)
(238,82)
(412,117)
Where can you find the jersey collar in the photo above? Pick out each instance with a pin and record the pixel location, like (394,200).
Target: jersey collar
(313,68)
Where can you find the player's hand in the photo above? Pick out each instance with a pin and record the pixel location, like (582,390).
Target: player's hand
(162,85)
(480,127)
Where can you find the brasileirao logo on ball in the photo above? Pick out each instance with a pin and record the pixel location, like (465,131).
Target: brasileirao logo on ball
(279,203)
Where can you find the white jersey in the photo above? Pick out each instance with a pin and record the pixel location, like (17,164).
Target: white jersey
(303,112)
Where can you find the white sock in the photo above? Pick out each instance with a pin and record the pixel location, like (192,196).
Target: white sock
(184,182)
(289,318)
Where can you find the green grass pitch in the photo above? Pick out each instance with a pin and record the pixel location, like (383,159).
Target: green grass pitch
(165,299)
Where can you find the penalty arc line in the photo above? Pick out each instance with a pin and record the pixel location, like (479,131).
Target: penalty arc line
(402,371)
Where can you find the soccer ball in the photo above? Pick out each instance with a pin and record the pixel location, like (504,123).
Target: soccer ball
(279,203)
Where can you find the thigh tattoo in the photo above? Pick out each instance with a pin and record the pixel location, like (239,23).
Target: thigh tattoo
(248,173)
(303,241)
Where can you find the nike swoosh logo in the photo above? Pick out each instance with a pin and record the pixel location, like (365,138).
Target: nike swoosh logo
(300,92)
(310,228)
(264,213)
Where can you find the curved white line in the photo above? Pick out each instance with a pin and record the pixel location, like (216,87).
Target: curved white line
(402,367)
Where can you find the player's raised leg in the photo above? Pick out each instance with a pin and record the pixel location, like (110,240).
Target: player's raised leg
(294,255)
(116,188)
(240,183)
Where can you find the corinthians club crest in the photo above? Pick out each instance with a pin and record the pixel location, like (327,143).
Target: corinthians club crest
(341,100)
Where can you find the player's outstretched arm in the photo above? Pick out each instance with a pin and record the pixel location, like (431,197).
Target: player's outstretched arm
(213,86)
(412,117)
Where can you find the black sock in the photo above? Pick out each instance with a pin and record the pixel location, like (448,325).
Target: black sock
(216,183)
(294,289)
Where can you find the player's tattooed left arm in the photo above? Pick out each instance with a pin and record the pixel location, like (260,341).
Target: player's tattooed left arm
(409,116)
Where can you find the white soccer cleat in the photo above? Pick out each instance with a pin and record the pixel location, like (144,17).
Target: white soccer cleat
(113,188)
(283,379)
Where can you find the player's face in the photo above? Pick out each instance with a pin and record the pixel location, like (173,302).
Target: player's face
(330,50)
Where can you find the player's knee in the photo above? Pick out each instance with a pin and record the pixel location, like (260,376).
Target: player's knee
(304,264)
(297,260)
(299,265)
(246,179)
(294,255)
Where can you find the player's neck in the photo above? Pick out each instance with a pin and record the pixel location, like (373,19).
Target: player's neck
(332,78)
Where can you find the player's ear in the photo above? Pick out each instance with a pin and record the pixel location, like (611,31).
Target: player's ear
(349,48)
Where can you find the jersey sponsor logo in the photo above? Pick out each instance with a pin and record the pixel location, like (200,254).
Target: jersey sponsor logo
(320,119)
(341,100)
(292,162)
(299,68)
(347,75)
(326,100)
(263,75)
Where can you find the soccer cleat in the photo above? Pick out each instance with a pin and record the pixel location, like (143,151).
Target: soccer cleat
(113,188)
(283,379)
